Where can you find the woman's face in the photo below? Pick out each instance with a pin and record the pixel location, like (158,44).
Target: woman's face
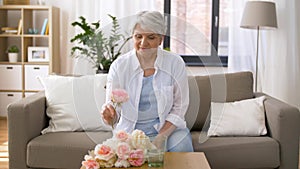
(145,42)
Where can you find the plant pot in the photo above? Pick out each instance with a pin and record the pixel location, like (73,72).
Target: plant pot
(12,57)
(41,2)
(101,71)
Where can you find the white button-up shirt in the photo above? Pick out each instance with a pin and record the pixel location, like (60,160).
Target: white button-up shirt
(170,85)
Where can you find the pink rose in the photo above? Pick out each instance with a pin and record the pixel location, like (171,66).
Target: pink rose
(136,157)
(123,150)
(90,164)
(122,135)
(103,152)
(119,96)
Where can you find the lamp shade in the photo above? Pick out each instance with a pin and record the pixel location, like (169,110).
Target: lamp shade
(259,14)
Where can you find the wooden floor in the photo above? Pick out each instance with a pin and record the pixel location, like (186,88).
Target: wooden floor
(4,144)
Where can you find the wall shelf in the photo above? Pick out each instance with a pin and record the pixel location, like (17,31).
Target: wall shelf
(19,78)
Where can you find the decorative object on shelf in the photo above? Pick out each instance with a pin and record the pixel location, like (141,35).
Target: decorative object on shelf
(33,31)
(38,54)
(13,52)
(92,44)
(16,2)
(41,2)
(259,15)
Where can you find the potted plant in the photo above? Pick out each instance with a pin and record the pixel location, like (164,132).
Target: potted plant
(92,43)
(13,53)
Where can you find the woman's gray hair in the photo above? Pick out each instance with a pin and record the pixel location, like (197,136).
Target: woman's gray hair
(151,20)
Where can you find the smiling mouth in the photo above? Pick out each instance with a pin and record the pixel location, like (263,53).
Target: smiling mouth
(144,48)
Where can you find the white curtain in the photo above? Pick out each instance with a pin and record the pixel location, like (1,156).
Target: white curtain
(242,42)
(279,57)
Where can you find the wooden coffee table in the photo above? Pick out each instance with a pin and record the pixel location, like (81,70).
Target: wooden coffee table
(180,160)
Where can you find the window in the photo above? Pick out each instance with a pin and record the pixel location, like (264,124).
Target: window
(198,30)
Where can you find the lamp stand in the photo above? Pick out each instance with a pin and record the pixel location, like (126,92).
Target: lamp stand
(256,65)
(259,15)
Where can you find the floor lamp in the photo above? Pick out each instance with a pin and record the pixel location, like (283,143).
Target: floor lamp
(259,15)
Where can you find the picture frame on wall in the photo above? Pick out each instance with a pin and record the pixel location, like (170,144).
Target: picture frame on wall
(38,54)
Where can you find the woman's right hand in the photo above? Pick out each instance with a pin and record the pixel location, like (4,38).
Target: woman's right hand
(108,114)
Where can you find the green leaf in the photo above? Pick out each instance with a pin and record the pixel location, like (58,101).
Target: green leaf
(94,45)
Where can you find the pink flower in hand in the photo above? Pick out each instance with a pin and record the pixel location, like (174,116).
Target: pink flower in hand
(119,96)
(136,157)
(90,164)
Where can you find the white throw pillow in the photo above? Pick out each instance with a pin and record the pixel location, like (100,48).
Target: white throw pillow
(240,118)
(74,103)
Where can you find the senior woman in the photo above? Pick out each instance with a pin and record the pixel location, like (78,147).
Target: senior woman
(157,85)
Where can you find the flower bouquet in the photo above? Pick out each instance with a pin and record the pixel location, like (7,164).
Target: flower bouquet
(122,150)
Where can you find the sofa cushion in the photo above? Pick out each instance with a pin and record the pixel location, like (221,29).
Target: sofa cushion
(203,90)
(230,87)
(239,118)
(239,152)
(62,149)
(74,103)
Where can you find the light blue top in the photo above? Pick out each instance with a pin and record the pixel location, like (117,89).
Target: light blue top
(148,115)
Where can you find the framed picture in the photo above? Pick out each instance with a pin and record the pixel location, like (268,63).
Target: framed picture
(38,54)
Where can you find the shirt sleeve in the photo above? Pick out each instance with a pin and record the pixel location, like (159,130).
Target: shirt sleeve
(112,83)
(181,96)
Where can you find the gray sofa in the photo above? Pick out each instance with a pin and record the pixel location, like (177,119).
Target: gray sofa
(278,149)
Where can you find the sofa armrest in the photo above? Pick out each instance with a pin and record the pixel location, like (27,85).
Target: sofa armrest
(26,119)
(283,124)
